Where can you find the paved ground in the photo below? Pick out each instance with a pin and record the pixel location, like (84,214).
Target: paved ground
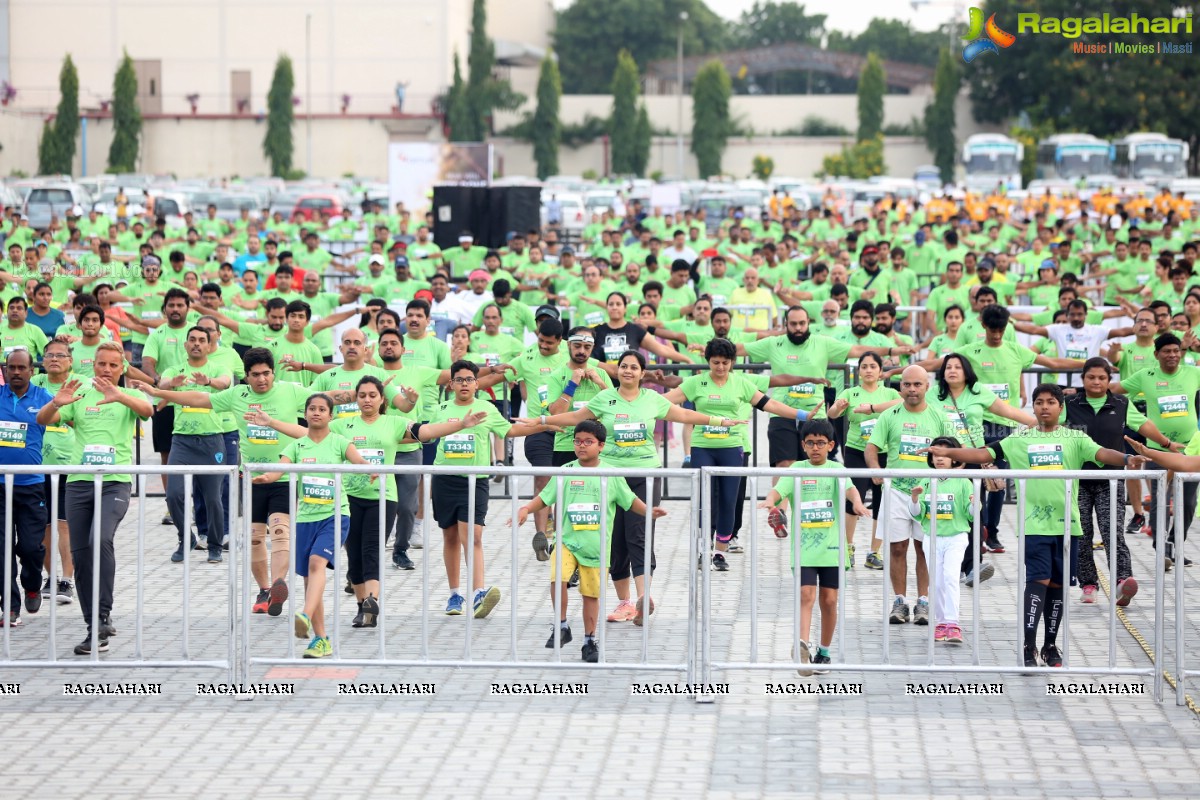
(467,741)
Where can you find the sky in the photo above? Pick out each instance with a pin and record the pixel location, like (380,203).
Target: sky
(851,17)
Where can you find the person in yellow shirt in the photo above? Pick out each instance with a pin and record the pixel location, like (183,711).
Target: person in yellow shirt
(752,293)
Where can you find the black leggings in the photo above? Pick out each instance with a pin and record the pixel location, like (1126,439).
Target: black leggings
(856,459)
(365,536)
(629,535)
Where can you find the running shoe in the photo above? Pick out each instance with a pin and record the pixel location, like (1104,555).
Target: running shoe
(215,556)
(735,546)
(591,652)
(106,627)
(993,545)
(873,561)
(639,609)
(402,561)
(46,590)
(821,659)
(454,606)
(777,519)
(986,570)
(1126,589)
(624,612)
(899,614)
(1089,595)
(84,648)
(564,636)
(719,563)
(485,601)
(939,632)
(1136,523)
(370,612)
(1051,656)
(954,634)
(541,546)
(415,541)
(166,520)
(805,658)
(349,587)
(279,596)
(319,647)
(260,603)
(66,592)
(302,625)
(358,618)
(12,620)
(33,601)
(1031,655)
(921,613)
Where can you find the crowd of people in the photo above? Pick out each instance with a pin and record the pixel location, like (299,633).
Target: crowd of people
(898,341)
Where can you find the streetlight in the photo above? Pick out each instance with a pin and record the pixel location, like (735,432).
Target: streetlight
(308,91)
(683,15)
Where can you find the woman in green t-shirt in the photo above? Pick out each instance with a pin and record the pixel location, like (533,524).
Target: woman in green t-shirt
(943,343)
(720,392)
(862,406)
(628,414)
(317,507)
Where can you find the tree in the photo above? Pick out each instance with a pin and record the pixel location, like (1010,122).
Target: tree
(547,130)
(458,111)
(585,33)
(710,116)
(48,151)
(277,144)
(127,119)
(641,142)
(623,122)
(481,58)
(939,116)
(892,40)
(762,167)
(872,84)
(66,119)
(769,23)
(863,160)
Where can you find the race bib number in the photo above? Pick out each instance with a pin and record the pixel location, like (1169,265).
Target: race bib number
(714,431)
(958,421)
(543,393)
(945,506)
(317,491)
(12,434)
(999,389)
(99,455)
(1045,456)
(1172,405)
(459,445)
(630,434)
(593,318)
(584,516)
(816,514)
(261,434)
(1076,352)
(347,410)
(803,391)
(491,359)
(371,455)
(865,427)
(909,445)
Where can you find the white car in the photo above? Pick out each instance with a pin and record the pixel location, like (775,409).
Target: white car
(574,215)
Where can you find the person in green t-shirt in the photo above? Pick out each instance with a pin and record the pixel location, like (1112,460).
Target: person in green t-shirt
(462,425)
(534,367)
(580,518)
(104,418)
(322,519)
(1050,447)
(952,511)
(58,449)
(815,533)
(18,334)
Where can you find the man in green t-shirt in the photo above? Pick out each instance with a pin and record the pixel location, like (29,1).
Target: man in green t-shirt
(1050,447)
(534,367)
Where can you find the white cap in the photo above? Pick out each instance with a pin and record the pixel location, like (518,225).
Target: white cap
(377,259)
(77,211)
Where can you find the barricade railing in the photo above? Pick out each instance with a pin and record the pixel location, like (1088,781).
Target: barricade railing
(96,475)
(711,663)
(1179,547)
(425,656)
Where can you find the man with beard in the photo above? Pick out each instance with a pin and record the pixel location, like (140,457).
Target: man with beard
(1076,339)
(874,282)
(269,332)
(798,353)
(885,326)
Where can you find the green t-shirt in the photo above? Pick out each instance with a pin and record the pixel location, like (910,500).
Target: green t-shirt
(27,337)
(515,319)
(197,420)
(322,304)
(259,444)
(999,371)
(942,297)
(303,352)
(1061,449)
(809,359)
(58,442)
(498,349)
(378,443)
(470,447)
(630,426)
(972,330)
(428,351)
(901,434)
(167,346)
(103,433)
(1132,359)
(564,441)
(1170,399)
(955,498)
(860,426)
(414,377)
(579,519)
(816,519)
(718,401)
(315,490)
(534,370)
(341,379)
(965,414)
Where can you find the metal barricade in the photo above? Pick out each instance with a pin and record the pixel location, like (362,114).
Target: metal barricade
(1179,679)
(138,659)
(711,663)
(426,654)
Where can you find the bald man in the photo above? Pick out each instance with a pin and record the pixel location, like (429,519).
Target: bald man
(902,432)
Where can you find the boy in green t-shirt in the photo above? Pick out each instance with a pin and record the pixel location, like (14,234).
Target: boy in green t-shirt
(579,523)
(819,532)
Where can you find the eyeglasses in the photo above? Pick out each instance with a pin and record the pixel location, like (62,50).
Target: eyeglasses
(463,381)
(585,442)
(55,355)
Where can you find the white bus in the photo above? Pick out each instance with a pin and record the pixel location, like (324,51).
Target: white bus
(1071,156)
(1150,157)
(991,159)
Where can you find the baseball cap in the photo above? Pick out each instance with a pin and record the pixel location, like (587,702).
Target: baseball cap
(401,261)
(568,251)
(1049,263)
(376,259)
(870,249)
(76,211)
(546,311)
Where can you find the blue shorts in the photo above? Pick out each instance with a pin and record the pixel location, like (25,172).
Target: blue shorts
(1044,558)
(316,539)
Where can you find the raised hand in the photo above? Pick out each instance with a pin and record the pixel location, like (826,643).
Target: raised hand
(111,393)
(197,378)
(840,405)
(916,493)
(147,388)
(68,394)
(176,382)
(860,510)
(258,417)
(471,420)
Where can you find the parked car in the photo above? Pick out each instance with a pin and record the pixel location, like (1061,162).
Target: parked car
(106,203)
(312,205)
(574,213)
(55,200)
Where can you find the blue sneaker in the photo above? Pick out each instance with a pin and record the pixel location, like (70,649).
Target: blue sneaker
(485,601)
(454,606)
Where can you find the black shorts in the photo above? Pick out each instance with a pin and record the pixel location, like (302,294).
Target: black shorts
(450,499)
(267,499)
(1044,558)
(62,497)
(563,457)
(160,430)
(856,459)
(827,577)
(539,449)
(783,441)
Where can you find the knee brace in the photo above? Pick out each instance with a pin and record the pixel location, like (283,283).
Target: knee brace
(277,524)
(258,547)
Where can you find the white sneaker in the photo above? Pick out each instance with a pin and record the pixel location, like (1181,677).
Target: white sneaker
(415,542)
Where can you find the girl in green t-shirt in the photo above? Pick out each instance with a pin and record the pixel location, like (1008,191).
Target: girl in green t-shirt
(318,506)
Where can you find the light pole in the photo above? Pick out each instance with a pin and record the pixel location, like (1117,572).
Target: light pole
(683,18)
(308,92)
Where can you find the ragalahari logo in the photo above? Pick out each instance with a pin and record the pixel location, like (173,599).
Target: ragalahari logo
(985,38)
